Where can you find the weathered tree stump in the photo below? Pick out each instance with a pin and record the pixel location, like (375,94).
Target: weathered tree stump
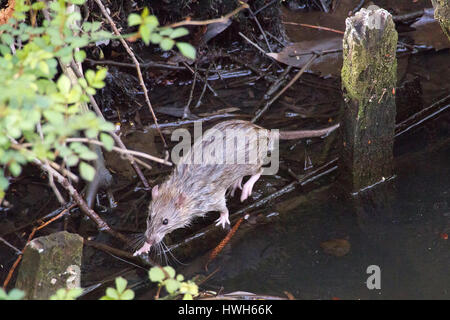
(369,76)
(50,263)
(442,14)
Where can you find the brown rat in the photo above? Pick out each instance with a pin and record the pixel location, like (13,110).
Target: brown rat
(199,185)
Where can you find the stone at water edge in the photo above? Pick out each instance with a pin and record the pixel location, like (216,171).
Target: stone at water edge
(50,263)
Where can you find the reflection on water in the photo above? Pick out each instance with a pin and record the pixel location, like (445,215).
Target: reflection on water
(400,227)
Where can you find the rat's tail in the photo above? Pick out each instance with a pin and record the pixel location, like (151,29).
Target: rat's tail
(300,134)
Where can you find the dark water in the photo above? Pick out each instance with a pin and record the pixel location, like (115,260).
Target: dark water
(399,226)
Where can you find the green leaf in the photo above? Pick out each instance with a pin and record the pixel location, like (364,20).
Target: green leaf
(187,296)
(121,284)
(112,293)
(7,38)
(54,116)
(172,285)
(155,38)
(74,293)
(127,295)
(166,32)
(16,294)
(186,50)
(145,12)
(38,5)
(90,76)
(152,22)
(88,155)
(170,271)
(145,32)
(71,160)
(3,183)
(15,168)
(3,295)
(179,32)
(43,66)
(180,277)
(87,171)
(63,84)
(77,2)
(80,55)
(108,141)
(134,19)
(167,44)
(156,274)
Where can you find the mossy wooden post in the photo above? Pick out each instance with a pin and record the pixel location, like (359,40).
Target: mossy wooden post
(50,263)
(442,14)
(369,76)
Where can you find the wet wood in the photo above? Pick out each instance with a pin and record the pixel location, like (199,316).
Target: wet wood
(369,76)
(442,14)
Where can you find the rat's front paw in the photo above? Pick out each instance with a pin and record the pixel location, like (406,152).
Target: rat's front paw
(223,220)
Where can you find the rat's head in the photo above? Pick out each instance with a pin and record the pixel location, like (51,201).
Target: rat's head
(166,213)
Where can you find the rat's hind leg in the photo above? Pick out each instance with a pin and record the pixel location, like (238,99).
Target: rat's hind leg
(237,184)
(248,186)
(224,217)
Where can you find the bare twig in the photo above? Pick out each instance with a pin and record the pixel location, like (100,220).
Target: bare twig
(252,43)
(269,103)
(138,68)
(121,150)
(313,27)
(260,28)
(187,111)
(10,245)
(265,6)
(205,22)
(403,126)
(202,79)
(204,87)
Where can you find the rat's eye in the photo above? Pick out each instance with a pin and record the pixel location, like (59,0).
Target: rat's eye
(165,221)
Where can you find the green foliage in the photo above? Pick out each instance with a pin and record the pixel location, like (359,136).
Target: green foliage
(150,32)
(67,294)
(14,294)
(174,284)
(120,292)
(40,108)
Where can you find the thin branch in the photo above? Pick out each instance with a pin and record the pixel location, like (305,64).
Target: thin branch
(138,68)
(260,28)
(121,150)
(269,103)
(313,27)
(205,22)
(252,43)
(187,111)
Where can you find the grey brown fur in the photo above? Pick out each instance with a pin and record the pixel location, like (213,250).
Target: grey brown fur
(194,189)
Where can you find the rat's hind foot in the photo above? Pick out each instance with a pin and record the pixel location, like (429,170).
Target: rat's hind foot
(223,220)
(248,186)
(237,184)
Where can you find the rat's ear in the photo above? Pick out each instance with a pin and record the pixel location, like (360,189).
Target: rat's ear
(155,192)
(181,200)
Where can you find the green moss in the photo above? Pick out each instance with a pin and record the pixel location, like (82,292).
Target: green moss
(369,69)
